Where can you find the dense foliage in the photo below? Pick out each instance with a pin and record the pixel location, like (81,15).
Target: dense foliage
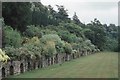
(11,37)
(38,30)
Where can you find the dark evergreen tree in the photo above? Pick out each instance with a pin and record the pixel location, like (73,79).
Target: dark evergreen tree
(76,19)
(39,14)
(17,14)
(62,14)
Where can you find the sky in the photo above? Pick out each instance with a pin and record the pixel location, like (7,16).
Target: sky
(106,11)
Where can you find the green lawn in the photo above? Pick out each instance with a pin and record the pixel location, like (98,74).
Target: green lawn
(101,65)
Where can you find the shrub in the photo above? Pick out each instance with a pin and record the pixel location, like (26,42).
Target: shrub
(32,31)
(34,41)
(30,51)
(3,56)
(33,46)
(11,37)
(49,48)
(68,48)
(51,37)
(73,28)
(60,47)
(48,31)
(34,51)
(12,52)
(59,44)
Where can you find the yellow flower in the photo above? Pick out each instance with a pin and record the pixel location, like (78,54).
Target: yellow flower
(3,57)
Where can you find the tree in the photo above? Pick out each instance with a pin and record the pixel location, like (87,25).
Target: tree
(62,14)
(52,16)
(76,19)
(89,34)
(66,36)
(73,29)
(17,14)
(39,14)
(98,36)
(111,44)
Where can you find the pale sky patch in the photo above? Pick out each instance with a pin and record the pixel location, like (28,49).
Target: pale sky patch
(104,10)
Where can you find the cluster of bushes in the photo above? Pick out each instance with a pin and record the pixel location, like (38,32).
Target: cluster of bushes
(38,30)
(36,42)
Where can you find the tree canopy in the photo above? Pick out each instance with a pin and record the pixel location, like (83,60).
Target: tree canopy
(33,29)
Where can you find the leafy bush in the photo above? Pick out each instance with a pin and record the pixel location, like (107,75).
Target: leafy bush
(68,48)
(59,44)
(111,45)
(68,37)
(92,47)
(89,46)
(15,53)
(73,28)
(48,31)
(51,37)
(32,31)
(75,46)
(49,48)
(33,46)
(3,56)
(60,47)
(34,41)
(34,51)
(30,51)
(11,37)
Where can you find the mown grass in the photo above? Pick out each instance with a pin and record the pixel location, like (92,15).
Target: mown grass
(100,65)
